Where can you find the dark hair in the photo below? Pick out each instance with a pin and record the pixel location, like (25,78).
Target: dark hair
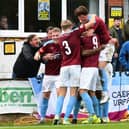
(81,10)
(2,17)
(49,28)
(117,18)
(30,37)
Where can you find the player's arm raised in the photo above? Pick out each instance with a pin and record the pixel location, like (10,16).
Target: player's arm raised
(91,22)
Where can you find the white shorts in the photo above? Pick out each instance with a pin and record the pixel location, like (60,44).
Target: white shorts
(70,76)
(89,78)
(49,82)
(107,53)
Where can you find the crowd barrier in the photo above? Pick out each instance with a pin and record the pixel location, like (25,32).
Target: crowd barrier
(17,96)
(119,96)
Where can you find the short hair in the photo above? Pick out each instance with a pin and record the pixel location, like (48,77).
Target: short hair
(49,28)
(81,10)
(2,17)
(56,29)
(65,24)
(117,18)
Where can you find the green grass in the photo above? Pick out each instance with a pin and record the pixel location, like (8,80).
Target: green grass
(118,125)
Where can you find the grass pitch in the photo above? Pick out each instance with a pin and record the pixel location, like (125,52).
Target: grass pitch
(118,125)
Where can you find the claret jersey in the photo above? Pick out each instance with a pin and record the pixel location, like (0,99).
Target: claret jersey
(70,47)
(90,42)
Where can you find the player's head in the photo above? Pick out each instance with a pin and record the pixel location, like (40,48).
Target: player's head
(56,33)
(49,32)
(82,14)
(66,24)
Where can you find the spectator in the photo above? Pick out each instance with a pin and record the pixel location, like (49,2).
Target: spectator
(3,23)
(117,32)
(25,65)
(124,55)
(126,30)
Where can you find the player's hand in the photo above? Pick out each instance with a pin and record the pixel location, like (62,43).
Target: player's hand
(114,41)
(102,46)
(48,56)
(115,55)
(90,32)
